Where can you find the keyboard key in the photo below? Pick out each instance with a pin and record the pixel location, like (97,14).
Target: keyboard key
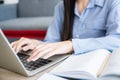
(33,64)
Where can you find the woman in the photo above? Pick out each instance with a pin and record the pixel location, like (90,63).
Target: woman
(79,26)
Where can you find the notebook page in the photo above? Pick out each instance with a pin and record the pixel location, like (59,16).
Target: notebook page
(96,63)
(113,66)
(50,77)
(89,62)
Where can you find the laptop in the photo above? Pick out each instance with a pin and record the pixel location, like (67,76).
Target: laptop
(17,62)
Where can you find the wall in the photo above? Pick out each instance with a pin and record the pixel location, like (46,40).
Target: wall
(11,1)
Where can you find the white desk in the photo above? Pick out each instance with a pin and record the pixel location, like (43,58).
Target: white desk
(8,75)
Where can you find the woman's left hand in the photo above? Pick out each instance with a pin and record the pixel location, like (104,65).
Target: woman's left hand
(47,50)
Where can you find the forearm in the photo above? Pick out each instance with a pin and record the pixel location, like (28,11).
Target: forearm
(85,45)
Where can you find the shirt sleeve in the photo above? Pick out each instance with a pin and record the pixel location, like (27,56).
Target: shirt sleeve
(54,30)
(112,38)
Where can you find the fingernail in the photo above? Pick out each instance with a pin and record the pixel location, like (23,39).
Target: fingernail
(28,60)
(24,49)
(16,51)
(45,57)
(33,60)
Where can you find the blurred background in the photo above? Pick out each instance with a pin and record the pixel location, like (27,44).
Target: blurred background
(26,18)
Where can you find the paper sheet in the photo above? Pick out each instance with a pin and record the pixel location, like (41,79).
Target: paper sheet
(48,76)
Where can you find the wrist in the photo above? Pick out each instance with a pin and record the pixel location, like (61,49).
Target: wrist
(70,45)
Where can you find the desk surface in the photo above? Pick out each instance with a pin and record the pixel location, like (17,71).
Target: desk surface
(8,75)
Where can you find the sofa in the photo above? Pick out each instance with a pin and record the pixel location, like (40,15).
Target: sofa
(28,18)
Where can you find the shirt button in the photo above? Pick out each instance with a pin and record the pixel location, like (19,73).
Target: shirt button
(77,36)
(81,19)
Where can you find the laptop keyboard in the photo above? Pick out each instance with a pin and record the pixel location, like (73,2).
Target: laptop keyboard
(33,64)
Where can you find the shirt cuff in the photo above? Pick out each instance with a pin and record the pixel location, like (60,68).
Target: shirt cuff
(81,46)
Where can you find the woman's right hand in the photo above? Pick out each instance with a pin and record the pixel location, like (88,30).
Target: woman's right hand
(25,44)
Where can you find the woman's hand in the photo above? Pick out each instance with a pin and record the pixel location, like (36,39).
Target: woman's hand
(47,50)
(25,44)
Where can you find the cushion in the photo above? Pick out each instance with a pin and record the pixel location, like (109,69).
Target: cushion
(40,34)
(31,23)
(34,8)
(7,11)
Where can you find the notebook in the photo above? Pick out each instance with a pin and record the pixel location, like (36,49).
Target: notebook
(17,63)
(84,66)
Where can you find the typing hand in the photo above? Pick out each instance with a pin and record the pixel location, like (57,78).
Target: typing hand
(24,44)
(47,50)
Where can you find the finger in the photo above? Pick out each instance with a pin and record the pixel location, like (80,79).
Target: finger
(20,44)
(13,43)
(33,54)
(39,55)
(39,48)
(28,47)
(14,48)
(18,47)
(52,53)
